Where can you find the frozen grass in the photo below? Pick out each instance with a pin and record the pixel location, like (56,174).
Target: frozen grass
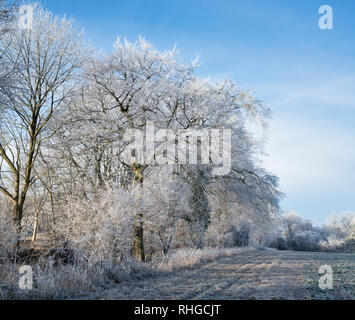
(85,278)
(188,274)
(190,258)
(343,267)
(69,281)
(251,275)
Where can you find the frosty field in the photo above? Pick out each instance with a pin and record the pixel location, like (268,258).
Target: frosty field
(253,274)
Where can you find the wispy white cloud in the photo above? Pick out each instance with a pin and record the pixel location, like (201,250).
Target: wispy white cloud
(310,155)
(309,91)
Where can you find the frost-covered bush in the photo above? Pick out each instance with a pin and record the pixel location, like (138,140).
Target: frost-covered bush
(279,244)
(187,234)
(349,246)
(300,235)
(341,233)
(306,241)
(166,202)
(236,225)
(219,233)
(335,245)
(234,236)
(238,218)
(101,226)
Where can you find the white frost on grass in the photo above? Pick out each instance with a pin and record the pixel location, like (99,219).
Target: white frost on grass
(189,258)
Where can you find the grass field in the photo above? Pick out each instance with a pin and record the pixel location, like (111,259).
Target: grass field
(254,274)
(210,274)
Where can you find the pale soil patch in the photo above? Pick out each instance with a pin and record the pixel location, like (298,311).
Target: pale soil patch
(252,274)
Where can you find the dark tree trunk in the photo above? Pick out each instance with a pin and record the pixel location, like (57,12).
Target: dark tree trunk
(138,244)
(17,218)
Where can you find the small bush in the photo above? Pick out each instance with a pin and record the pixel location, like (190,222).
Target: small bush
(279,244)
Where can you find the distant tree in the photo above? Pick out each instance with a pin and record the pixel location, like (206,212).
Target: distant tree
(342,226)
(293,223)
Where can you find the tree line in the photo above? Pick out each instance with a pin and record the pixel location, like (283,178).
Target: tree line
(64,110)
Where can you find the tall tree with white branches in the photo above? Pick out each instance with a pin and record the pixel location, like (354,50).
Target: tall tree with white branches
(47,57)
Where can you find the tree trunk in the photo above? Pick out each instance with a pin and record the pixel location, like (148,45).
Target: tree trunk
(138,244)
(17,218)
(35,227)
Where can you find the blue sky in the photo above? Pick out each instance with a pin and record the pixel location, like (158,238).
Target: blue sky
(275,47)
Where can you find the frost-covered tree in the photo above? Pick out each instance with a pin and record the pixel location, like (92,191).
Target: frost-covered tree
(47,57)
(137,85)
(7,23)
(294,223)
(166,202)
(342,226)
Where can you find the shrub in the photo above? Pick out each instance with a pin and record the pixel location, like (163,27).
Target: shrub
(279,244)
